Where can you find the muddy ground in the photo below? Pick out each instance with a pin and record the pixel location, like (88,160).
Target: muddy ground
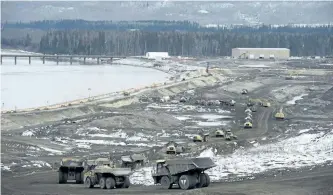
(29,153)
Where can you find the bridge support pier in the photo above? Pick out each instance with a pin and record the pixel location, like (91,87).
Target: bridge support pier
(57,60)
(15,59)
(29,60)
(97,60)
(110,60)
(84,60)
(71,60)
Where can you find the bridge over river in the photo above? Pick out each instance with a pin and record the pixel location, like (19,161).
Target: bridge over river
(59,58)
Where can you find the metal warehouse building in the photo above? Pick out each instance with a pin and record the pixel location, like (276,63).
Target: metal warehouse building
(261,53)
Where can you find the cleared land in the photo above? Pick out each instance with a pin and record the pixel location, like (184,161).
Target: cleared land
(292,156)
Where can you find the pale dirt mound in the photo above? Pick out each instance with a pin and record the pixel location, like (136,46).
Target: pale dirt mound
(143,120)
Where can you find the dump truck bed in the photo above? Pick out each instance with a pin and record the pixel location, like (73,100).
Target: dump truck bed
(177,166)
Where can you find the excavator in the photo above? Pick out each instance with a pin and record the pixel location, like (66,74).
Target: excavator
(279,115)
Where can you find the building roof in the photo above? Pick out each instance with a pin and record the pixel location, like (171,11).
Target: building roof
(262,48)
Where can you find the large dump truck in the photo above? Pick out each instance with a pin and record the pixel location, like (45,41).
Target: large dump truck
(71,169)
(187,173)
(107,176)
(133,161)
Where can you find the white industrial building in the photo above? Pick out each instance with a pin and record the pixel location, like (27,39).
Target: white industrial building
(261,53)
(157,55)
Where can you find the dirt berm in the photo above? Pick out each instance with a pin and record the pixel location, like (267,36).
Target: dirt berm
(42,117)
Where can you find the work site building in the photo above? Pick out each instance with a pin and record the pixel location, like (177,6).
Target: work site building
(261,53)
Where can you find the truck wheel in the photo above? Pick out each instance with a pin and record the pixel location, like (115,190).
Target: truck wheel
(207,180)
(110,183)
(126,183)
(202,180)
(165,182)
(88,183)
(78,177)
(102,183)
(64,177)
(61,177)
(186,182)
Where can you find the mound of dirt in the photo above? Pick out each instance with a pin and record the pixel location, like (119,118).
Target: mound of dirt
(145,120)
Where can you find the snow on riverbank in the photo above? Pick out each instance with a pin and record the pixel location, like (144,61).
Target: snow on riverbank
(303,150)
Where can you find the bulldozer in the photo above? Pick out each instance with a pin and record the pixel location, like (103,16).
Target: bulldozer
(279,115)
(247,125)
(219,133)
(229,135)
(200,138)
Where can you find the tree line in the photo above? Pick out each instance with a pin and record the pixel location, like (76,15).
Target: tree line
(180,43)
(131,43)
(158,26)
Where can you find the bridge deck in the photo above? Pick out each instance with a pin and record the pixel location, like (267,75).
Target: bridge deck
(60,56)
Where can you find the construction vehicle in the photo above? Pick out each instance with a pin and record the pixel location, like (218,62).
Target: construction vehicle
(71,169)
(126,93)
(229,135)
(133,161)
(248,118)
(183,99)
(266,104)
(174,148)
(200,138)
(247,125)
(227,102)
(107,176)
(187,173)
(248,110)
(219,133)
(279,115)
(253,108)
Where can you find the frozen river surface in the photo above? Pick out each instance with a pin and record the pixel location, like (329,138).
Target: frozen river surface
(28,86)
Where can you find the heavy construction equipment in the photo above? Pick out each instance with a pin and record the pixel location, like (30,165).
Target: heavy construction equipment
(219,133)
(126,93)
(200,138)
(266,104)
(71,169)
(229,135)
(253,108)
(244,91)
(279,115)
(133,161)
(107,176)
(174,148)
(248,118)
(248,110)
(247,125)
(187,173)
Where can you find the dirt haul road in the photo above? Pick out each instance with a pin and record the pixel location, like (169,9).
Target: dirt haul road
(315,182)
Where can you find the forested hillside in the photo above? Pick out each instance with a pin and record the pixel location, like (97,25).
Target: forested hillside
(158,26)
(73,38)
(181,43)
